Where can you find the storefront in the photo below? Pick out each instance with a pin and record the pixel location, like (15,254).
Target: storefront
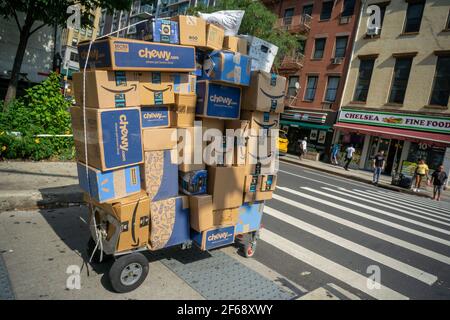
(317,127)
(404,138)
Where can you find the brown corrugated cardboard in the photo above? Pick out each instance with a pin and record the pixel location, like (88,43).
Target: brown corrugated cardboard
(159,139)
(268,182)
(261,120)
(226,184)
(266,93)
(235,44)
(214,37)
(201,212)
(192,30)
(185,110)
(107,89)
(226,217)
(155,88)
(184,83)
(190,149)
(252,183)
(257,196)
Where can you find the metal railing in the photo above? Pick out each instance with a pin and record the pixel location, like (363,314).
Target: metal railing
(295,23)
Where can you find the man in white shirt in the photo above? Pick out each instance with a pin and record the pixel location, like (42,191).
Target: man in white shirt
(303,147)
(349,156)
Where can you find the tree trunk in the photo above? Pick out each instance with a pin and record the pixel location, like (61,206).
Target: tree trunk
(20,53)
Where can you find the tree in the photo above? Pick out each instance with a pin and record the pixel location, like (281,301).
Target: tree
(260,22)
(45,13)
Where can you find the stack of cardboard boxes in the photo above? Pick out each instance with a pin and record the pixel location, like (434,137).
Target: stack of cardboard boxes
(140,157)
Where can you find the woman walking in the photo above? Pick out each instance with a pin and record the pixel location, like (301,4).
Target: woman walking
(421,172)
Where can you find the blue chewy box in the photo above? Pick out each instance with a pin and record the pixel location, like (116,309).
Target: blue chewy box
(213,238)
(156,117)
(249,218)
(215,100)
(165,31)
(109,185)
(193,182)
(227,67)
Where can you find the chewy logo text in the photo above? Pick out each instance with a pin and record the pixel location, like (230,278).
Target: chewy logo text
(151,54)
(220,99)
(123,123)
(219,236)
(150,116)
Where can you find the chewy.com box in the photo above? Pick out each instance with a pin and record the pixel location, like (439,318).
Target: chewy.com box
(228,67)
(216,100)
(214,238)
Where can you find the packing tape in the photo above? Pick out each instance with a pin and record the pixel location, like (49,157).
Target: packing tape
(191,20)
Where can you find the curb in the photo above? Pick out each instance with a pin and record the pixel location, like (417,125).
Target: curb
(384,186)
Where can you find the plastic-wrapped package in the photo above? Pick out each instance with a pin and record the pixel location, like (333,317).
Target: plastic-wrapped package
(230,20)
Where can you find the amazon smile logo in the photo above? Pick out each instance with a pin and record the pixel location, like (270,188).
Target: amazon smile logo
(267,126)
(271,96)
(169,87)
(133,88)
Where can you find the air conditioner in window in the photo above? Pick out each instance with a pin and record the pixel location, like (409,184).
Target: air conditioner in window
(131,30)
(344,20)
(337,60)
(373,31)
(327,105)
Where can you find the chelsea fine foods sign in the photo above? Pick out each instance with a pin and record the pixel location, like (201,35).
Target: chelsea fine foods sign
(396,120)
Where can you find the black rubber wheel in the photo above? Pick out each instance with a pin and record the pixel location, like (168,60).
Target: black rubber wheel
(96,258)
(128,272)
(249,249)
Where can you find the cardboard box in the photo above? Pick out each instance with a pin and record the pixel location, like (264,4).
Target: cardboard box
(251,197)
(261,121)
(226,184)
(127,221)
(107,89)
(266,93)
(268,182)
(252,183)
(218,100)
(201,212)
(113,137)
(214,36)
(184,110)
(169,222)
(225,217)
(194,182)
(183,83)
(192,30)
(109,185)
(157,117)
(158,30)
(235,44)
(227,66)
(261,156)
(159,174)
(213,238)
(130,55)
(155,88)
(250,216)
(159,139)
(190,149)
(263,53)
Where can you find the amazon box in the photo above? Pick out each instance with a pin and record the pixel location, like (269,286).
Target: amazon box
(194,182)
(235,44)
(214,37)
(201,212)
(268,182)
(108,185)
(260,121)
(114,138)
(157,117)
(266,93)
(226,66)
(216,100)
(252,183)
(192,30)
(184,110)
(159,174)
(169,222)
(190,149)
(155,88)
(251,197)
(250,215)
(159,139)
(158,30)
(261,156)
(107,89)
(226,184)
(214,238)
(136,55)
(183,83)
(263,53)
(129,227)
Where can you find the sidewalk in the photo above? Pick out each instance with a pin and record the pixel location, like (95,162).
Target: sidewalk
(358,175)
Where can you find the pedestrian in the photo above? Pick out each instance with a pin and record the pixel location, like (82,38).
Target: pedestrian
(334,153)
(439,181)
(303,147)
(378,166)
(349,156)
(421,171)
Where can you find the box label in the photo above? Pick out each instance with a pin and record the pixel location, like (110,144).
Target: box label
(223,101)
(155,117)
(219,237)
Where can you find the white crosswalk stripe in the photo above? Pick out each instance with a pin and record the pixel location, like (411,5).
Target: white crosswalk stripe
(332,268)
(354,247)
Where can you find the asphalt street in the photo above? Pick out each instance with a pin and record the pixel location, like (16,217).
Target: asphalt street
(354,239)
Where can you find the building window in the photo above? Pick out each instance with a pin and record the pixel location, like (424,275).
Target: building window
(288,13)
(327,7)
(319,48)
(89,33)
(311,87)
(332,86)
(74,41)
(308,9)
(414,16)
(74,56)
(292,90)
(349,8)
(400,79)
(341,46)
(441,86)
(83,31)
(364,76)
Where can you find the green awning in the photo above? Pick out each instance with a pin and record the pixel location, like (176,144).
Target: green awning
(64,72)
(306,125)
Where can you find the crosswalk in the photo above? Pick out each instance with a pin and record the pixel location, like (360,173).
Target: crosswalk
(342,232)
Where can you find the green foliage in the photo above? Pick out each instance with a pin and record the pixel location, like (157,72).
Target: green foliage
(43,110)
(258,21)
